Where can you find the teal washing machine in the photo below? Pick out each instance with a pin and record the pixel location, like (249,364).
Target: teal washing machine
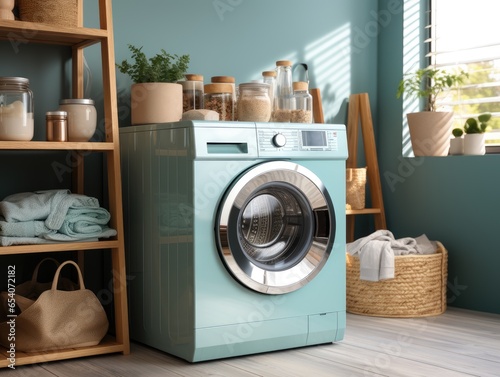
(235,236)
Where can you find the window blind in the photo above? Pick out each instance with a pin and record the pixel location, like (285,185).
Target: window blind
(465,35)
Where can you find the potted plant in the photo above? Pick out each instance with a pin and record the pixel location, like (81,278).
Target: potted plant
(155,96)
(474,134)
(429,129)
(457,142)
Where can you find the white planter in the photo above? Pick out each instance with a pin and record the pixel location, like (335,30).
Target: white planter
(457,146)
(474,144)
(430,132)
(155,103)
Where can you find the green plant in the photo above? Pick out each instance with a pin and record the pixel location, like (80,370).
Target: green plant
(457,132)
(429,83)
(162,67)
(479,126)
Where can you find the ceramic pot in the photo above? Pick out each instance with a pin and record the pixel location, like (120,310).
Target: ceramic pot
(155,103)
(474,144)
(430,132)
(457,146)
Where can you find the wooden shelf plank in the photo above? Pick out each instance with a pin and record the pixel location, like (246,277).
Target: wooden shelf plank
(58,247)
(33,32)
(364,211)
(108,345)
(56,146)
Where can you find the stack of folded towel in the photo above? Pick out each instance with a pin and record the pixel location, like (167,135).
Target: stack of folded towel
(376,253)
(52,216)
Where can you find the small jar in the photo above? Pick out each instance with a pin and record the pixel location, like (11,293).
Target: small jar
(302,103)
(254,104)
(16,109)
(57,125)
(192,92)
(231,81)
(219,98)
(269,77)
(284,92)
(82,118)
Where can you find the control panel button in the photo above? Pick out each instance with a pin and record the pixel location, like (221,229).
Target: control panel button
(279,140)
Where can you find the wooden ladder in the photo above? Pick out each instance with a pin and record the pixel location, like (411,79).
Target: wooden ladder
(360,114)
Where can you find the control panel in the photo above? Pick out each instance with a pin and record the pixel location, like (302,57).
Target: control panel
(294,140)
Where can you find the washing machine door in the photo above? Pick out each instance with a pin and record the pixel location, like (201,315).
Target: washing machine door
(276,227)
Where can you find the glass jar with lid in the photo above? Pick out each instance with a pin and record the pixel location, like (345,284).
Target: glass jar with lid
(302,103)
(269,77)
(192,92)
(219,97)
(284,92)
(254,104)
(82,118)
(231,81)
(16,109)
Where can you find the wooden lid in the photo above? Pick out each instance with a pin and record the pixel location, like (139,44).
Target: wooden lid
(218,88)
(193,77)
(223,79)
(269,73)
(300,85)
(285,63)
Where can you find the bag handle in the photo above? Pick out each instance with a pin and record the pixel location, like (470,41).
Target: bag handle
(56,276)
(35,272)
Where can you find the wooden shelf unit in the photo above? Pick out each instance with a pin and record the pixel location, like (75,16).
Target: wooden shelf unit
(360,116)
(78,38)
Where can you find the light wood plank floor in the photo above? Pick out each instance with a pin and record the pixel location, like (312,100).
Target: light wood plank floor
(456,343)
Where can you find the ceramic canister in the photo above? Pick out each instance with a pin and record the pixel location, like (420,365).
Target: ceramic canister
(82,118)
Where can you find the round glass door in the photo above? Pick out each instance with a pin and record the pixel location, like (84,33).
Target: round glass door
(276,227)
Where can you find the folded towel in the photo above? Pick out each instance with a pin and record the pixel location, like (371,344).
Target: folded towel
(104,232)
(23,228)
(376,252)
(50,206)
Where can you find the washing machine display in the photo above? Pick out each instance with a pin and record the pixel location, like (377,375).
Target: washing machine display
(276,227)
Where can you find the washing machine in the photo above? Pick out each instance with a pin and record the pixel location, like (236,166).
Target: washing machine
(235,236)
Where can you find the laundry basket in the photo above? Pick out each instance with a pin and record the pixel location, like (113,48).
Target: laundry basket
(53,12)
(417,290)
(355,188)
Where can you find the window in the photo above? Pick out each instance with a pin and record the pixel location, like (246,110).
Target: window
(465,35)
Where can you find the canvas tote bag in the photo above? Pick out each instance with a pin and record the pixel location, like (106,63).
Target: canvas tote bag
(58,320)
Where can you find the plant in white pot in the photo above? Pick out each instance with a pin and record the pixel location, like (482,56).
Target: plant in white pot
(474,134)
(429,129)
(155,96)
(457,142)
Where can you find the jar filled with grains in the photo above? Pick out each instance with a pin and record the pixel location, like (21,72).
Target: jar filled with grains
(192,92)
(284,92)
(254,104)
(219,97)
(231,81)
(302,103)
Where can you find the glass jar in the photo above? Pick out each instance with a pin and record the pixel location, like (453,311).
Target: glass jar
(219,98)
(82,118)
(302,103)
(231,81)
(254,104)
(16,109)
(269,77)
(192,92)
(284,92)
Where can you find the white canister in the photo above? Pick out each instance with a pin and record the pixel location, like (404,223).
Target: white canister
(82,118)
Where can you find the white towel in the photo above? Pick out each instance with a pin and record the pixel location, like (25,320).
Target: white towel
(376,253)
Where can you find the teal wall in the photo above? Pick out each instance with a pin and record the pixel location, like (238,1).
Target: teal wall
(453,199)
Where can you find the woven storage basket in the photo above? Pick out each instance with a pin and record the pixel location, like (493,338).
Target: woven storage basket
(417,290)
(53,12)
(355,187)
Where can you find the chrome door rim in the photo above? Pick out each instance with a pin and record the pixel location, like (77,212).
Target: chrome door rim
(247,271)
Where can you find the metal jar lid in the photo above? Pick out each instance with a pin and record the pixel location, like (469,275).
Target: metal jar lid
(56,114)
(22,81)
(76,101)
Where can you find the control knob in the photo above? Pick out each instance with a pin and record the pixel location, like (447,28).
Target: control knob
(279,140)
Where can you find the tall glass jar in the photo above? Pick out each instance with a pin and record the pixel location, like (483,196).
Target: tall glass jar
(284,92)
(192,92)
(302,103)
(16,109)
(254,104)
(269,77)
(231,81)
(219,98)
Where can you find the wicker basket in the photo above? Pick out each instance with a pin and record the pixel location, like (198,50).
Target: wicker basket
(53,12)
(417,290)
(355,188)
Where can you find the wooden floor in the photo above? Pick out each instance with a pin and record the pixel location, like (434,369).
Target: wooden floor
(456,343)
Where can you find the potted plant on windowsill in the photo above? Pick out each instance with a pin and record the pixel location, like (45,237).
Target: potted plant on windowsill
(474,134)
(429,129)
(457,142)
(155,96)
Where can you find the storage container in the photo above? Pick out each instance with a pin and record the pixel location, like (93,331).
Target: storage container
(302,103)
(254,104)
(219,98)
(82,118)
(192,92)
(16,109)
